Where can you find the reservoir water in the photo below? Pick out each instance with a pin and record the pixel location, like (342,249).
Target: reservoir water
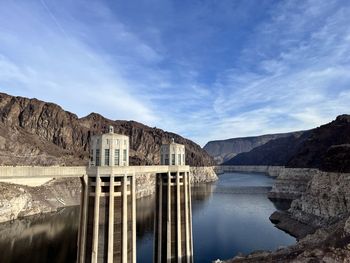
(229,216)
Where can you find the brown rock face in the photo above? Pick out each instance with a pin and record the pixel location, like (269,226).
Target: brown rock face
(34,132)
(328,147)
(224,150)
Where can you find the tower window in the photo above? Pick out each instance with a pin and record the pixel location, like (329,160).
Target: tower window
(97,157)
(124,155)
(173,159)
(116,156)
(106,156)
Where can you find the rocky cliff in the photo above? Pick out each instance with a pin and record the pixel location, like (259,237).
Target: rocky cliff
(272,171)
(224,150)
(37,132)
(19,201)
(319,217)
(326,147)
(291,183)
(325,200)
(274,153)
(329,244)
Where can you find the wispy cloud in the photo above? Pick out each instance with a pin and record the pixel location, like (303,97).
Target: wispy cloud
(47,61)
(205,70)
(301,83)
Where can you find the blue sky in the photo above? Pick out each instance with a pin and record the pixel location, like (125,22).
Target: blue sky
(204,69)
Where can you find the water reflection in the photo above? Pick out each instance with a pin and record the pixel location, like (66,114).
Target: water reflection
(145,215)
(41,239)
(144,228)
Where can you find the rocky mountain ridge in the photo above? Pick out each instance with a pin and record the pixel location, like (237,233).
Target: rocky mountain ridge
(326,147)
(34,132)
(224,150)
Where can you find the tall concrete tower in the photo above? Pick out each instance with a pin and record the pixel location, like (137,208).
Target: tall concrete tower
(173,219)
(108,219)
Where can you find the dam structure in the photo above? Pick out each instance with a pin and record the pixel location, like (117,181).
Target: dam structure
(107,224)
(173,240)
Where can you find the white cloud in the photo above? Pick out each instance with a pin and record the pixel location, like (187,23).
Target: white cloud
(292,73)
(300,86)
(64,69)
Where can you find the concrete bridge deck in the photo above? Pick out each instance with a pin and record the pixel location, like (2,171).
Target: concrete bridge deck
(37,172)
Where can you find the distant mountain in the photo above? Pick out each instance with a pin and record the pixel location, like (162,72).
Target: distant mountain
(34,132)
(224,150)
(326,147)
(275,152)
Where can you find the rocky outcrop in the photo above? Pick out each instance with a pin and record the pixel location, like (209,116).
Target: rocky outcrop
(202,174)
(318,198)
(326,148)
(145,185)
(287,223)
(291,183)
(19,201)
(34,132)
(272,171)
(224,150)
(319,217)
(329,244)
(326,199)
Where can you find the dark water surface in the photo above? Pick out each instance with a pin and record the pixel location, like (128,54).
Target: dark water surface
(229,216)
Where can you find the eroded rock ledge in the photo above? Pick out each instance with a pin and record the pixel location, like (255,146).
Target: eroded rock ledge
(19,201)
(319,217)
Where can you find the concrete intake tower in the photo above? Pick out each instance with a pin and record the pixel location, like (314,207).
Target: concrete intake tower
(108,218)
(173,218)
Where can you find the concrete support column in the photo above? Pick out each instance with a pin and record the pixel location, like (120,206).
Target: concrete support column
(190,213)
(169,219)
(187,218)
(178,218)
(111,219)
(125,219)
(96,219)
(133,196)
(83,218)
(160,198)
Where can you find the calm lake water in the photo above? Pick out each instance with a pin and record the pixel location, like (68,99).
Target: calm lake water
(229,216)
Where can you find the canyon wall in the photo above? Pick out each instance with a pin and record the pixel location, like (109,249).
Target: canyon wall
(20,200)
(224,150)
(318,197)
(272,171)
(325,200)
(326,148)
(319,217)
(34,132)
